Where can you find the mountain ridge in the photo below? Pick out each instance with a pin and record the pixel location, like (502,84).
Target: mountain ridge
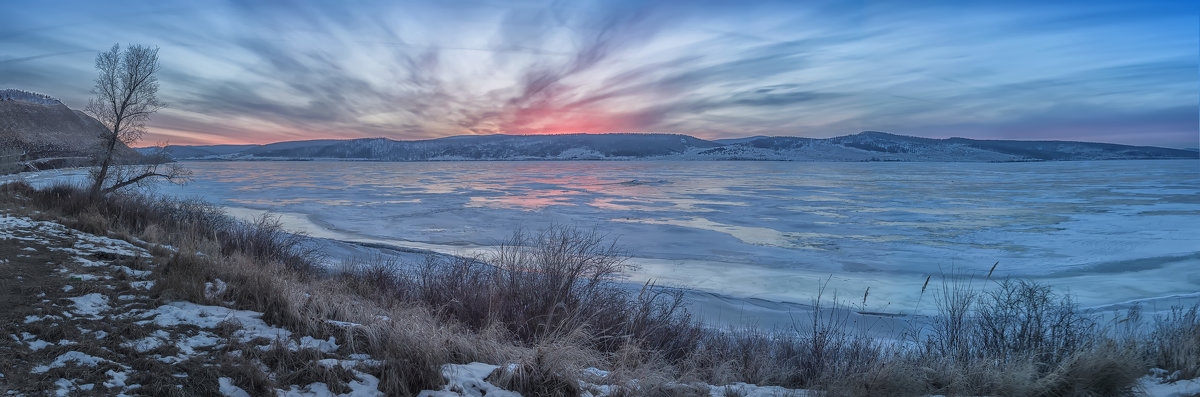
(863,146)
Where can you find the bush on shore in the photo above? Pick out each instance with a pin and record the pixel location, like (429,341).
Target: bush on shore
(548,302)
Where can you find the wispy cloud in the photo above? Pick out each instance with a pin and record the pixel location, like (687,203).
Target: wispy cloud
(247,71)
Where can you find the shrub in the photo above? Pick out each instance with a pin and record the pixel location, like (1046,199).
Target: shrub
(1175,343)
(552,369)
(1026,320)
(1103,369)
(190,220)
(542,287)
(265,240)
(950,329)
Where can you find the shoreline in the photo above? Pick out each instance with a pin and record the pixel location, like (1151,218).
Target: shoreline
(285,287)
(717,308)
(891,293)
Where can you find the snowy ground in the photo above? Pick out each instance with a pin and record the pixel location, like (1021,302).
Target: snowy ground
(471,380)
(1156,387)
(81,318)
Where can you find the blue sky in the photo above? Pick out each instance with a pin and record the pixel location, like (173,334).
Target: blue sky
(265,71)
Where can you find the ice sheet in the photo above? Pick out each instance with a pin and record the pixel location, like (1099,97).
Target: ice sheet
(1109,231)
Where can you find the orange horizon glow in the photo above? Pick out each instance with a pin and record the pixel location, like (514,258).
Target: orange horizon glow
(153,139)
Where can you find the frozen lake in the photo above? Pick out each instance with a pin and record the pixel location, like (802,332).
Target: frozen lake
(1109,231)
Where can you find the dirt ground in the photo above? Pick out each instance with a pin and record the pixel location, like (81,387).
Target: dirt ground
(80,315)
(26,271)
(62,296)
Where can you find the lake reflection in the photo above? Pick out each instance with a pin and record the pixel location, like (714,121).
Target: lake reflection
(865,221)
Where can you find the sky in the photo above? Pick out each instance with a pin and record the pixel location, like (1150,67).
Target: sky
(266,71)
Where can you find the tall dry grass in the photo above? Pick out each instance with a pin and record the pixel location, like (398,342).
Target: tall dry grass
(1175,345)
(549,303)
(554,283)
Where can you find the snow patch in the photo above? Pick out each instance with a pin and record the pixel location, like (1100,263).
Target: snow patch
(468,380)
(203,316)
(32,318)
(91,304)
(750,390)
(96,244)
(358,359)
(187,347)
(146,285)
(144,344)
(86,277)
(1154,386)
(116,379)
(346,324)
(39,344)
(78,358)
(88,262)
(214,289)
(134,273)
(325,346)
(64,387)
(229,390)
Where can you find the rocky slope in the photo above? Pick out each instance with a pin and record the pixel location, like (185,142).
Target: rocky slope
(43,127)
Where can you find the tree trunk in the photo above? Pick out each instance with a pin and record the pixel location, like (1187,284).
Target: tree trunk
(98,183)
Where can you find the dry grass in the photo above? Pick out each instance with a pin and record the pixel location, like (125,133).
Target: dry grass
(552,369)
(547,303)
(409,340)
(1106,369)
(545,286)
(1175,345)
(267,270)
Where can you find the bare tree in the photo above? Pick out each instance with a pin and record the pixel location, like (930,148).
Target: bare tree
(126,94)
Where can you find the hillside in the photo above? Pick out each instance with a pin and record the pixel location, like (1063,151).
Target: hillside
(44,128)
(864,146)
(881,146)
(193,152)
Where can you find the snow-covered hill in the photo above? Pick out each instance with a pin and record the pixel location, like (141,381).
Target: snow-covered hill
(43,127)
(864,146)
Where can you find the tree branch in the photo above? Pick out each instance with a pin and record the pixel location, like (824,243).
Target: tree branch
(134,180)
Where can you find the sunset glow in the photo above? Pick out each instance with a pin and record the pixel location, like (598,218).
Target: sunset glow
(257,72)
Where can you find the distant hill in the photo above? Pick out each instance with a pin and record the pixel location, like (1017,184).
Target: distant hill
(44,128)
(475,147)
(881,146)
(729,141)
(196,151)
(864,146)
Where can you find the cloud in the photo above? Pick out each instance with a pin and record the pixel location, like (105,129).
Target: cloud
(1085,124)
(244,71)
(40,56)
